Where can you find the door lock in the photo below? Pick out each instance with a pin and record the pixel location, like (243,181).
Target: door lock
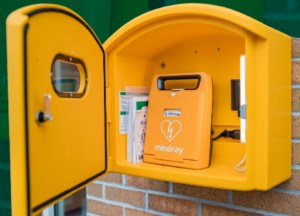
(44,116)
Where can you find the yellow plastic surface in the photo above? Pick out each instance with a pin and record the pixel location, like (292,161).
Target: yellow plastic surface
(199,37)
(60,156)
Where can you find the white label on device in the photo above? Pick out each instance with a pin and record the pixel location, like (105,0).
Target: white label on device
(172,112)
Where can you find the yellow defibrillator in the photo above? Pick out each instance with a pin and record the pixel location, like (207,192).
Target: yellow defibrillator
(179,118)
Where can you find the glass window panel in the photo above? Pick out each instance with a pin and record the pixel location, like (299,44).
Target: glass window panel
(68,76)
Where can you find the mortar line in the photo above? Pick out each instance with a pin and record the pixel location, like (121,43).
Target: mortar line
(124,180)
(103,191)
(295,86)
(296,59)
(291,192)
(296,113)
(170,187)
(230,196)
(199,208)
(146,200)
(296,140)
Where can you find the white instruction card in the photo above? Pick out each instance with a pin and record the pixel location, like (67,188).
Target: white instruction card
(123,112)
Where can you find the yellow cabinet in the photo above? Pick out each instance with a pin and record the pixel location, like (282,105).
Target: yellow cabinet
(64,97)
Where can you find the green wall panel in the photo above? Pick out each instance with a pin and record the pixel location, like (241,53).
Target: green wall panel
(283,15)
(5,209)
(5,206)
(123,11)
(253,8)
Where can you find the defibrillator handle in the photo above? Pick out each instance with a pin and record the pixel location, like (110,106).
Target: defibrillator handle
(185,82)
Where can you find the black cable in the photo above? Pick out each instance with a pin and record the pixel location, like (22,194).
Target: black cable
(234,134)
(217,137)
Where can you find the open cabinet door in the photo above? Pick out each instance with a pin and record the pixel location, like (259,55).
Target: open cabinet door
(56,70)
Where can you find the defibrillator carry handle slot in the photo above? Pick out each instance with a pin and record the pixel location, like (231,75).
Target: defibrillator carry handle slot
(184,82)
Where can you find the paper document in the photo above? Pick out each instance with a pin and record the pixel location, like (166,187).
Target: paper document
(136,128)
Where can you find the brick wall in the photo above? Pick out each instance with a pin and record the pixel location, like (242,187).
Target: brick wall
(117,194)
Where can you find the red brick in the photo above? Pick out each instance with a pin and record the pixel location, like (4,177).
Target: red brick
(296,100)
(209,210)
(296,47)
(296,72)
(148,184)
(172,205)
(131,197)
(201,192)
(94,190)
(296,153)
(271,201)
(296,127)
(112,178)
(104,209)
(134,212)
(293,183)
